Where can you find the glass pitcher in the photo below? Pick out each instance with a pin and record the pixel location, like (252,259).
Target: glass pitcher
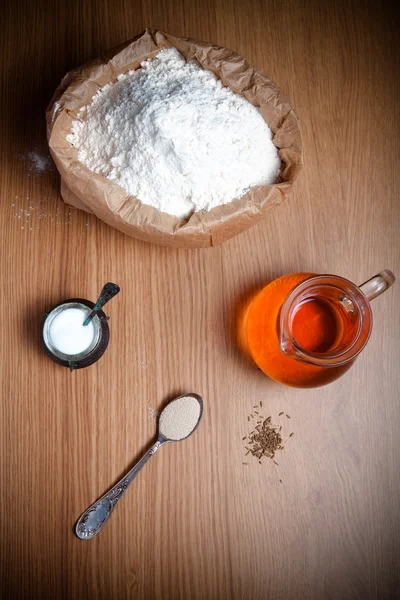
(306,330)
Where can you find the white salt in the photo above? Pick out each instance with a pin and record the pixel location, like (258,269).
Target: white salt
(67,333)
(179,418)
(172,135)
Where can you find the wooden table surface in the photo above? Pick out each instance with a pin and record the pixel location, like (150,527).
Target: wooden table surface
(197,523)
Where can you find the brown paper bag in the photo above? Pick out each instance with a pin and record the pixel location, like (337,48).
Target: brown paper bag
(94,193)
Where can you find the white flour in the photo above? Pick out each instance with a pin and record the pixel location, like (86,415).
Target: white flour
(173,136)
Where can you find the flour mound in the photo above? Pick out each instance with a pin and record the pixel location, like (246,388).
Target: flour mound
(172,135)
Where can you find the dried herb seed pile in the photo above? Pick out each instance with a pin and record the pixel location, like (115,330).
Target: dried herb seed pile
(265,439)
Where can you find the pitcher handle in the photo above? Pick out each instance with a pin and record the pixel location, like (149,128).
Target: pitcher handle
(377,285)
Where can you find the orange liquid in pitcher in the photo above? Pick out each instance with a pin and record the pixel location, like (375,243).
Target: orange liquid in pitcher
(316,326)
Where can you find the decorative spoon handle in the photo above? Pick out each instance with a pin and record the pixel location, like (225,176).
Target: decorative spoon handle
(109,291)
(95,517)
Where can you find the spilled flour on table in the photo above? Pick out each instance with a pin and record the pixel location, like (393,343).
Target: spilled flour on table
(39,163)
(31,213)
(29,207)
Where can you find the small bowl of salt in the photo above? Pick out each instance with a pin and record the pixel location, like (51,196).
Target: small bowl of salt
(75,332)
(70,344)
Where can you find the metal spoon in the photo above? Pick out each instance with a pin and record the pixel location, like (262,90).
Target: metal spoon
(109,291)
(95,517)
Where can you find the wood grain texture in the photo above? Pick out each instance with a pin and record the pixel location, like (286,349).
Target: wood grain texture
(197,523)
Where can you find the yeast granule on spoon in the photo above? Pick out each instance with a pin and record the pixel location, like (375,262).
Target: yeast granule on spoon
(179,418)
